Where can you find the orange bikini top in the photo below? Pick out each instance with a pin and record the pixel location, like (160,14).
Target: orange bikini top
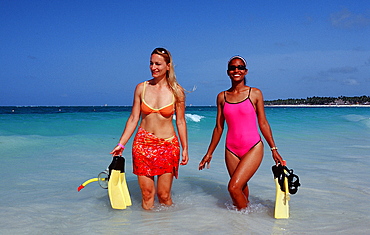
(165,111)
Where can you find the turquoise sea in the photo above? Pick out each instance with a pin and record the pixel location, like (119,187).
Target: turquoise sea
(47,152)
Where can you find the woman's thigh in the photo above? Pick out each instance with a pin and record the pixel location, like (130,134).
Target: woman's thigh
(241,170)
(164,183)
(146,183)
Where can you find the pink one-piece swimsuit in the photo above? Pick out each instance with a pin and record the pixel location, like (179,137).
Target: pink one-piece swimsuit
(242,134)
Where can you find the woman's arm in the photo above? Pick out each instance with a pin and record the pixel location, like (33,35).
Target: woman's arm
(217,133)
(181,127)
(131,122)
(264,125)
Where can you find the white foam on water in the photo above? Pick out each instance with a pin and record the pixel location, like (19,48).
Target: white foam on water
(191,117)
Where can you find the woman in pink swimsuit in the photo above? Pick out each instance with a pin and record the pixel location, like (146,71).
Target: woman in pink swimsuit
(242,108)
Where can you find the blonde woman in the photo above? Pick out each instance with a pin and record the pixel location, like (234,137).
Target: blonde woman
(156,147)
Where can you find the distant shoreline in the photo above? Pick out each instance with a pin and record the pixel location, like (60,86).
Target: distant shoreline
(341,101)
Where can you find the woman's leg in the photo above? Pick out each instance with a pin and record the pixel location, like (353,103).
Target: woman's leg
(147,187)
(241,171)
(164,186)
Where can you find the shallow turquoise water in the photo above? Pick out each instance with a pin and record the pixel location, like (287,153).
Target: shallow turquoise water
(46,153)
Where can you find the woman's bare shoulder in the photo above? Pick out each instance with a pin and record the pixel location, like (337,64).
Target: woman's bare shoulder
(256,92)
(139,88)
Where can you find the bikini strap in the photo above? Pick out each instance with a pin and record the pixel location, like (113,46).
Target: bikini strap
(225,96)
(142,93)
(250,88)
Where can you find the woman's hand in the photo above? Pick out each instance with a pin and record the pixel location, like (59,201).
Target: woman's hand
(185,158)
(277,158)
(117,151)
(206,161)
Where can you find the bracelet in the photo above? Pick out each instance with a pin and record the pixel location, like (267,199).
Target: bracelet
(274,148)
(119,144)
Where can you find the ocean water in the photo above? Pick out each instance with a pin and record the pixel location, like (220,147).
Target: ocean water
(47,152)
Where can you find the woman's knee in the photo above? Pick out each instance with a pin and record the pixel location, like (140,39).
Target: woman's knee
(147,194)
(164,196)
(234,188)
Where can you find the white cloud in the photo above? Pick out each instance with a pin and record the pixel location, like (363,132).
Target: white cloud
(346,19)
(351,82)
(340,70)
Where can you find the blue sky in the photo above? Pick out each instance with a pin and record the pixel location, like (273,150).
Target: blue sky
(95,52)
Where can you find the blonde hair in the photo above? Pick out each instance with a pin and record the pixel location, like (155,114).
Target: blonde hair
(171,76)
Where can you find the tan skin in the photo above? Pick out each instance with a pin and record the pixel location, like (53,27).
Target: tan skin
(241,169)
(157,95)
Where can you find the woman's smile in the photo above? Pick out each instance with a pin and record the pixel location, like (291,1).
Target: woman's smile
(158,66)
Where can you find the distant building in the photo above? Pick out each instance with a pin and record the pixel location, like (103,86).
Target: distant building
(339,101)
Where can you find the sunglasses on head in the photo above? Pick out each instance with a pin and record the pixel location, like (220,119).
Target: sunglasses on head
(240,67)
(162,50)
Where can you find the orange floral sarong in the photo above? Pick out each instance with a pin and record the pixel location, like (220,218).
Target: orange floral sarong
(155,156)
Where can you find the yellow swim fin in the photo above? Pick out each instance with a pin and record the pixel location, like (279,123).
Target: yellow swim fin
(125,192)
(115,192)
(117,187)
(282,193)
